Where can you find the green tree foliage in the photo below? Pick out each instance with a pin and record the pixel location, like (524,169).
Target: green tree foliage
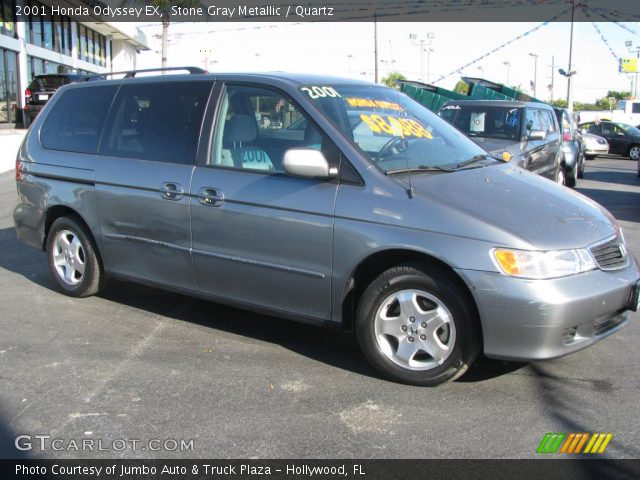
(461,87)
(391,79)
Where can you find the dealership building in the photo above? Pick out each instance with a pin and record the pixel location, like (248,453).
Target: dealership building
(34,44)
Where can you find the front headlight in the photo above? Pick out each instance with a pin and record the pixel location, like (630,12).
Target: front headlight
(542,265)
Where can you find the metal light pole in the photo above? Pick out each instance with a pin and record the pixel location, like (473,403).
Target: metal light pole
(569,72)
(349,57)
(429,52)
(535,72)
(508,65)
(422,43)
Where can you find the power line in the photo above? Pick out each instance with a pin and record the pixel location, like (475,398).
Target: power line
(500,47)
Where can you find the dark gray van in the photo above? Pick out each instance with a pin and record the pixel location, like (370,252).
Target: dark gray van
(528,132)
(353,207)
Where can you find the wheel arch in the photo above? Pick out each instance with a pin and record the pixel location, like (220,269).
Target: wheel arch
(57,211)
(376,263)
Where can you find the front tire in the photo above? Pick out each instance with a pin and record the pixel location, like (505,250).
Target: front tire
(73,260)
(634,152)
(418,325)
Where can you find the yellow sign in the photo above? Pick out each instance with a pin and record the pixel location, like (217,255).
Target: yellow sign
(401,127)
(628,65)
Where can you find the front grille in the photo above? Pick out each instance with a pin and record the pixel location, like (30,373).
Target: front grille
(609,324)
(610,255)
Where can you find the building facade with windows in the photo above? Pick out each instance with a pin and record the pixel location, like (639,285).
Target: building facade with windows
(31,45)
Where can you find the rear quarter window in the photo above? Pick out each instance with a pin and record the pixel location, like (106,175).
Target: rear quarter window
(159,122)
(75,122)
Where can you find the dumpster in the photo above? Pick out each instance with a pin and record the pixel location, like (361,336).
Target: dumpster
(430,96)
(481,89)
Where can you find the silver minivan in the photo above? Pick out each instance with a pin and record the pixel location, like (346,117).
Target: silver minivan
(353,207)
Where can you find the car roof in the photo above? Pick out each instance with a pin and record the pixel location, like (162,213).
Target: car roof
(498,103)
(293,79)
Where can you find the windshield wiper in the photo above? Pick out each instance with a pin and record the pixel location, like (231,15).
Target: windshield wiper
(420,168)
(475,158)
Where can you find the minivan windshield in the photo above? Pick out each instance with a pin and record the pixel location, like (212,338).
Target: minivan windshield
(485,121)
(396,133)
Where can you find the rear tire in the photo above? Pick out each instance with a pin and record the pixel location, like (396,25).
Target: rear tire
(590,157)
(560,175)
(73,260)
(416,324)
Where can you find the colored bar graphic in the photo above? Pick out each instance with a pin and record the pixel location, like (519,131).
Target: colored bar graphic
(573,443)
(551,442)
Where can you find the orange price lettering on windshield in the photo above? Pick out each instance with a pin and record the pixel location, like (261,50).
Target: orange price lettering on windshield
(401,127)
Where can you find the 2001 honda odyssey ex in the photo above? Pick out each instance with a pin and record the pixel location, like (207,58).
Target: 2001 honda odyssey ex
(325,200)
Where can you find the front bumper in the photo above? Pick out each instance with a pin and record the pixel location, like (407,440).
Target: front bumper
(596,151)
(529,320)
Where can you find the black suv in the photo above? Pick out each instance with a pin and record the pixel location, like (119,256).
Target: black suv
(527,131)
(42,88)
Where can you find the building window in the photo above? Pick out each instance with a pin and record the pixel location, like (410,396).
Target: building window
(7,18)
(8,86)
(47,32)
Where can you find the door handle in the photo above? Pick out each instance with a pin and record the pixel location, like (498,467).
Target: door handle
(211,197)
(171,191)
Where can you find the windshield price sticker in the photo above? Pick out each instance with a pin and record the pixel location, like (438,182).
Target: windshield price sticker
(320,92)
(369,103)
(477,122)
(399,127)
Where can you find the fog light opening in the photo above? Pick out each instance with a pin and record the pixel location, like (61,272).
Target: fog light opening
(569,335)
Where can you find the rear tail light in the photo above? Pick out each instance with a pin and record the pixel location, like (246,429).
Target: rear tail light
(19,170)
(27,93)
(567,137)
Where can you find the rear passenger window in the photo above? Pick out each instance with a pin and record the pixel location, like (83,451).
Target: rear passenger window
(159,122)
(76,120)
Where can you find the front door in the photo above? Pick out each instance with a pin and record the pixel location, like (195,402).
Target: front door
(260,236)
(143,173)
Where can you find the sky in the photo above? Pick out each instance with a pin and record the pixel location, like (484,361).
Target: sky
(346,49)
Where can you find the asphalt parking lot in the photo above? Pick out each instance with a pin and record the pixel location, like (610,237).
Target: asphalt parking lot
(140,363)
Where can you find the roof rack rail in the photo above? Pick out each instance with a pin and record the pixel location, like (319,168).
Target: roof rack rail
(132,73)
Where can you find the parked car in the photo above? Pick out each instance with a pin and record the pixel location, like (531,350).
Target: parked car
(42,88)
(623,139)
(572,147)
(426,247)
(527,131)
(594,146)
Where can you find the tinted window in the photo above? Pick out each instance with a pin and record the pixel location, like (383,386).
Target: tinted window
(635,108)
(76,120)
(257,126)
(484,121)
(159,122)
(546,119)
(532,120)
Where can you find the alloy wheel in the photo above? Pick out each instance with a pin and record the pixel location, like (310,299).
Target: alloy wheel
(414,330)
(69,257)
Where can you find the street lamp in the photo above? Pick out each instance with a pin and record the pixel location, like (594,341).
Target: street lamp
(508,65)
(422,43)
(349,57)
(569,74)
(535,72)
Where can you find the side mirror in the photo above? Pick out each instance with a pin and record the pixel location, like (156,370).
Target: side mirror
(308,163)
(537,135)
